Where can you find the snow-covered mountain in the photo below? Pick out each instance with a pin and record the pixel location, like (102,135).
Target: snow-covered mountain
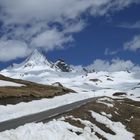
(38,63)
(35,67)
(35,61)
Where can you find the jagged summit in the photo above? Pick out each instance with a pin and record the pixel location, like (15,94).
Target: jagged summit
(37,59)
(36,55)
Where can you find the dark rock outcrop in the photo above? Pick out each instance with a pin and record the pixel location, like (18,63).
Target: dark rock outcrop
(119,94)
(64,67)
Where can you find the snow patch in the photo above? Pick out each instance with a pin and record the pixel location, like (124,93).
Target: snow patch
(117,127)
(54,130)
(8,83)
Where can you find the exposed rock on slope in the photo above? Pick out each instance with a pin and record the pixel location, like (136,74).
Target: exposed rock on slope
(102,115)
(61,64)
(119,94)
(95,80)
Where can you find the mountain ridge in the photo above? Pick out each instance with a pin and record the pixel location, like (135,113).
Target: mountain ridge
(37,60)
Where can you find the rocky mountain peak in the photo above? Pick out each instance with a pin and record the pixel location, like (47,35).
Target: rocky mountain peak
(36,59)
(62,65)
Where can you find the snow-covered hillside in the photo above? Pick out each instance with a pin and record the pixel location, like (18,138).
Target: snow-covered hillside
(38,69)
(35,61)
(87,84)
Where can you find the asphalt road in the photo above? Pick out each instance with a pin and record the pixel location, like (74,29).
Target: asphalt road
(45,115)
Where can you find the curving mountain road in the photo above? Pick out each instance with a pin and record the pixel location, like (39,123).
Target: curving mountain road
(45,115)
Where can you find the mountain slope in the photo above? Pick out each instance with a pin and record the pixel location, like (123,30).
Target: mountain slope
(34,61)
(37,61)
(14,91)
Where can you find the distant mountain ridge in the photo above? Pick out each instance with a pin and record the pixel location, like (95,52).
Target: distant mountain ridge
(38,60)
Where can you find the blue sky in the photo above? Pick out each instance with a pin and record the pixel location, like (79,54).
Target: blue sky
(101,33)
(80,39)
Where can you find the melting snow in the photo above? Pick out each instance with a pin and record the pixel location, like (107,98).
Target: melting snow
(117,127)
(54,130)
(8,83)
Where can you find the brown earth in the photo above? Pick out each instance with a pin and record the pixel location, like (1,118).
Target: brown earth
(125,111)
(30,91)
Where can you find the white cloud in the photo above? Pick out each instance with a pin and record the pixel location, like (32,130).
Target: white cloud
(135,25)
(74,27)
(12,49)
(104,6)
(109,52)
(51,39)
(114,65)
(51,23)
(19,11)
(133,45)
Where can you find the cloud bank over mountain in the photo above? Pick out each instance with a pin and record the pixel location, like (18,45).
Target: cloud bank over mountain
(113,65)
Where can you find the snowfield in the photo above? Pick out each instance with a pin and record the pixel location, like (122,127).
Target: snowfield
(54,130)
(60,130)
(81,83)
(8,83)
